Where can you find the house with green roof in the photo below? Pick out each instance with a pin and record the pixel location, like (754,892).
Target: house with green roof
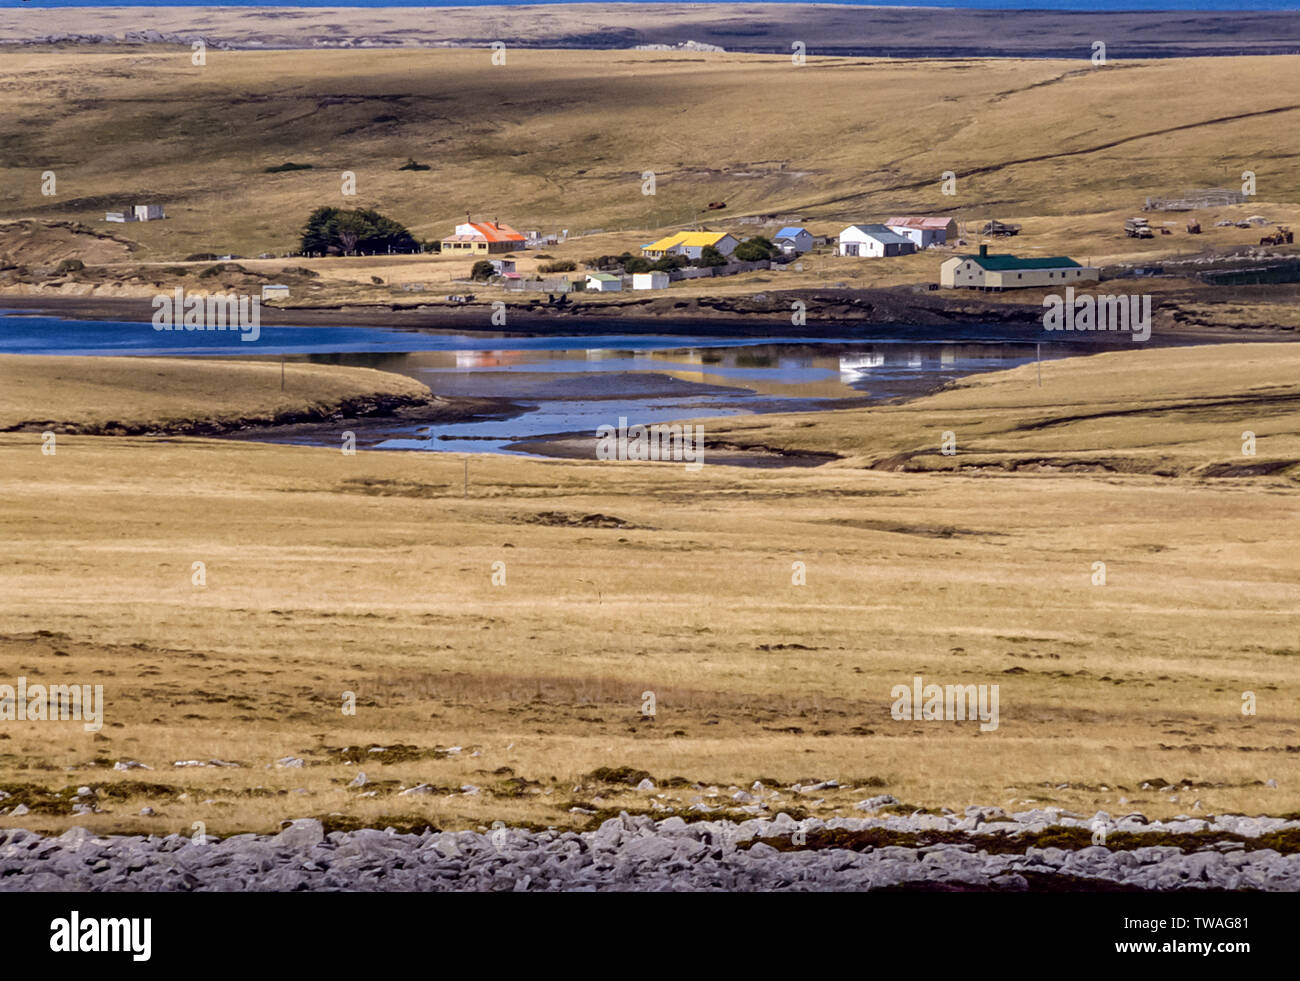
(604,283)
(1009,272)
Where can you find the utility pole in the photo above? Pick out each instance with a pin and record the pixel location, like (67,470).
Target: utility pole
(1039,348)
(282,372)
(466,494)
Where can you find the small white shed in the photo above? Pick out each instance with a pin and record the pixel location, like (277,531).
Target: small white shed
(650,281)
(604,283)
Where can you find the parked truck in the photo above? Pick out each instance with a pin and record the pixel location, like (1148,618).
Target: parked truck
(1000,228)
(1138,228)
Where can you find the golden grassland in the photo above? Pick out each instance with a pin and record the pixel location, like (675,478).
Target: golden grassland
(373,573)
(561,139)
(1167,412)
(94,394)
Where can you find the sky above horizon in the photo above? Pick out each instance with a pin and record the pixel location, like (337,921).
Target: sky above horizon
(1071,6)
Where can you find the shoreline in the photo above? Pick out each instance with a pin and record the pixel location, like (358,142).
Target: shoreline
(378,417)
(876,314)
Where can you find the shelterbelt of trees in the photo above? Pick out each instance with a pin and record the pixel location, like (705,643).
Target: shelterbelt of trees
(336,231)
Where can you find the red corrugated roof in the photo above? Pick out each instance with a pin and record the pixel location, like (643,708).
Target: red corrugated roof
(496,231)
(915,221)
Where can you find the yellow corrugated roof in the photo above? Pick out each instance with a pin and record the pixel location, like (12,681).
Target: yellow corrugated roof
(687,239)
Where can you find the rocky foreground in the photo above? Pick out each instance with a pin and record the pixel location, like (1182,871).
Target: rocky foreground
(986,850)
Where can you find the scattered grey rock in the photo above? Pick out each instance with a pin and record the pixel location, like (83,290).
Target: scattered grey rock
(876,803)
(636,853)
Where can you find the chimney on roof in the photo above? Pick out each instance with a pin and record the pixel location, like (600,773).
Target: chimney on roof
(984,250)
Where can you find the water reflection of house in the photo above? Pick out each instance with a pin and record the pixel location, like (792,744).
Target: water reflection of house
(687,365)
(687,357)
(471,360)
(853,366)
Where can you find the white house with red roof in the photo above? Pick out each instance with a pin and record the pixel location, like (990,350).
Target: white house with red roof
(482,238)
(924,231)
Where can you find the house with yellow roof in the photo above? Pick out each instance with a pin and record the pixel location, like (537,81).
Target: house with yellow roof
(690,244)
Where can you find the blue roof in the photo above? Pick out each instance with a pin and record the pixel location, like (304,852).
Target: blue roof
(790,231)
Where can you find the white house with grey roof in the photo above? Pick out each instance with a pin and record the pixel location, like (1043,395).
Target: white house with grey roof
(873,241)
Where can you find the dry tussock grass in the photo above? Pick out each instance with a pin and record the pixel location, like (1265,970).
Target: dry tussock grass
(315,587)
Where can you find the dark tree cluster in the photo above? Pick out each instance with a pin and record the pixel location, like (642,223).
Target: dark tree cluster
(334,231)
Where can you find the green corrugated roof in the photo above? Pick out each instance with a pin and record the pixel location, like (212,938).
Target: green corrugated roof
(1002,262)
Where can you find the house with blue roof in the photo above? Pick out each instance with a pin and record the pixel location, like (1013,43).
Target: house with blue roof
(793,240)
(873,241)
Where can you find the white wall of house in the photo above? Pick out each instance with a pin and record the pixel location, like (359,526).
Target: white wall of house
(650,281)
(922,238)
(855,242)
(1011,279)
(957,272)
(926,232)
(604,285)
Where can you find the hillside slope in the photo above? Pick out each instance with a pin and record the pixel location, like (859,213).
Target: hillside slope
(561,139)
